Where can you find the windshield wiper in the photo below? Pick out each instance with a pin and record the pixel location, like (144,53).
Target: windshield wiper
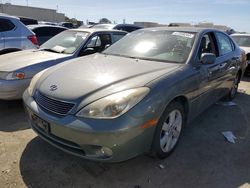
(50,50)
(120,55)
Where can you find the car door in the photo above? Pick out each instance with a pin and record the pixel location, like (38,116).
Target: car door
(228,63)
(208,74)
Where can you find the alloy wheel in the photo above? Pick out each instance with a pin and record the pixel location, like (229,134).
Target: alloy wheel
(171,130)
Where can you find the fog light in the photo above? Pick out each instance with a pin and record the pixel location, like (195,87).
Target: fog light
(104,152)
(97,151)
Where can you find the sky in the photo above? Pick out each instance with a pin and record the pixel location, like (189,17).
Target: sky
(233,13)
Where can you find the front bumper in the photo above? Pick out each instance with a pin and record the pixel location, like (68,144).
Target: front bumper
(13,89)
(82,138)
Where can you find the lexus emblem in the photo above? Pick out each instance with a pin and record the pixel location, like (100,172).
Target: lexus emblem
(53,87)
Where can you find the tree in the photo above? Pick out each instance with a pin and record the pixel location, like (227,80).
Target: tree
(74,21)
(104,21)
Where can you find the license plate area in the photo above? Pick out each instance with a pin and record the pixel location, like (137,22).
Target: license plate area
(40,123)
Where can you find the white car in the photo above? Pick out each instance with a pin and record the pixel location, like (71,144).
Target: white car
(14,35)
(243,40)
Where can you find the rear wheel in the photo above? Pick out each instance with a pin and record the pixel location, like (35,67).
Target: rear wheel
(168,130)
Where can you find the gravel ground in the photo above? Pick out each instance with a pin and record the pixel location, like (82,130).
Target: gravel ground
(203,157)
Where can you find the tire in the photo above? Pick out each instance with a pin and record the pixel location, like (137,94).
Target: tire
(168,131)
(234,90)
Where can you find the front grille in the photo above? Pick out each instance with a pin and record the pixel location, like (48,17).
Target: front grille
(52,105)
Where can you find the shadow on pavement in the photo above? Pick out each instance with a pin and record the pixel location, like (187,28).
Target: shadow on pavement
(202,159)
(12,116)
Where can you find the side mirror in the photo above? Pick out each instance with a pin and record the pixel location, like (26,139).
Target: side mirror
(87,51)
(208,58)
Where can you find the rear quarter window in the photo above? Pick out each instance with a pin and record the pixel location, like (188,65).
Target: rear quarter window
(117,36)
(6,25)
(225,44)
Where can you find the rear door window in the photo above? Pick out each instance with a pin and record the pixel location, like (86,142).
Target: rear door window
(117,36)
(6,25)
(224,43)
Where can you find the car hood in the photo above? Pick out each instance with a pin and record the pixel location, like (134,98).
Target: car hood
(17,60)
(246,49)
(84,76)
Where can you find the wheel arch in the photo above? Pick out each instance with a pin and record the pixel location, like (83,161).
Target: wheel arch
(184,101)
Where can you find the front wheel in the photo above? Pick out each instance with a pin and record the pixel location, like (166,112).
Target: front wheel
(168,130)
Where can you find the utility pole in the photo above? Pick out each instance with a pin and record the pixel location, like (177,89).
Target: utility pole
(27,2)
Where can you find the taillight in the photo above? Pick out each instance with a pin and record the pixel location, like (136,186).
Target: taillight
(33,39)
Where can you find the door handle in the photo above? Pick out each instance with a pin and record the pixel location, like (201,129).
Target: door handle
(222,65)
(209,74)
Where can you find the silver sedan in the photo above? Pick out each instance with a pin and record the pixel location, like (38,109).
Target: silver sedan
(137,95)
(18,68)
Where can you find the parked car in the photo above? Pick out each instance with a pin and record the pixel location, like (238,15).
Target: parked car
(123,27)
(45,32)
(47,23)
(14,35)
(243,40)
(136,96)
(69,25)
(28,21)
(17,69)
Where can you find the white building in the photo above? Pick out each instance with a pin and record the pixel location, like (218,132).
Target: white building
(40,14)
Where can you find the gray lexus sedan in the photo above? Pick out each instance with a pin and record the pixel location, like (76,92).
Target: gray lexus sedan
(17,69)
(136,96)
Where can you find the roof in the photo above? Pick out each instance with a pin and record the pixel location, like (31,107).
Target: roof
(8,16)
(241,34)
(92,30)
(182,29)
(44,25)
(110,26)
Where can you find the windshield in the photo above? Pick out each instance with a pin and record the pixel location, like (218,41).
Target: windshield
(242,40)
(170,46)
(66,42)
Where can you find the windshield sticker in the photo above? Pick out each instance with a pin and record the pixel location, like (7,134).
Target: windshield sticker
(58,49)
(187,35)
(83,35)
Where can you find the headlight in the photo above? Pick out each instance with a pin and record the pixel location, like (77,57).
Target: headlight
(114,105)
(14,76)
(34,81)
